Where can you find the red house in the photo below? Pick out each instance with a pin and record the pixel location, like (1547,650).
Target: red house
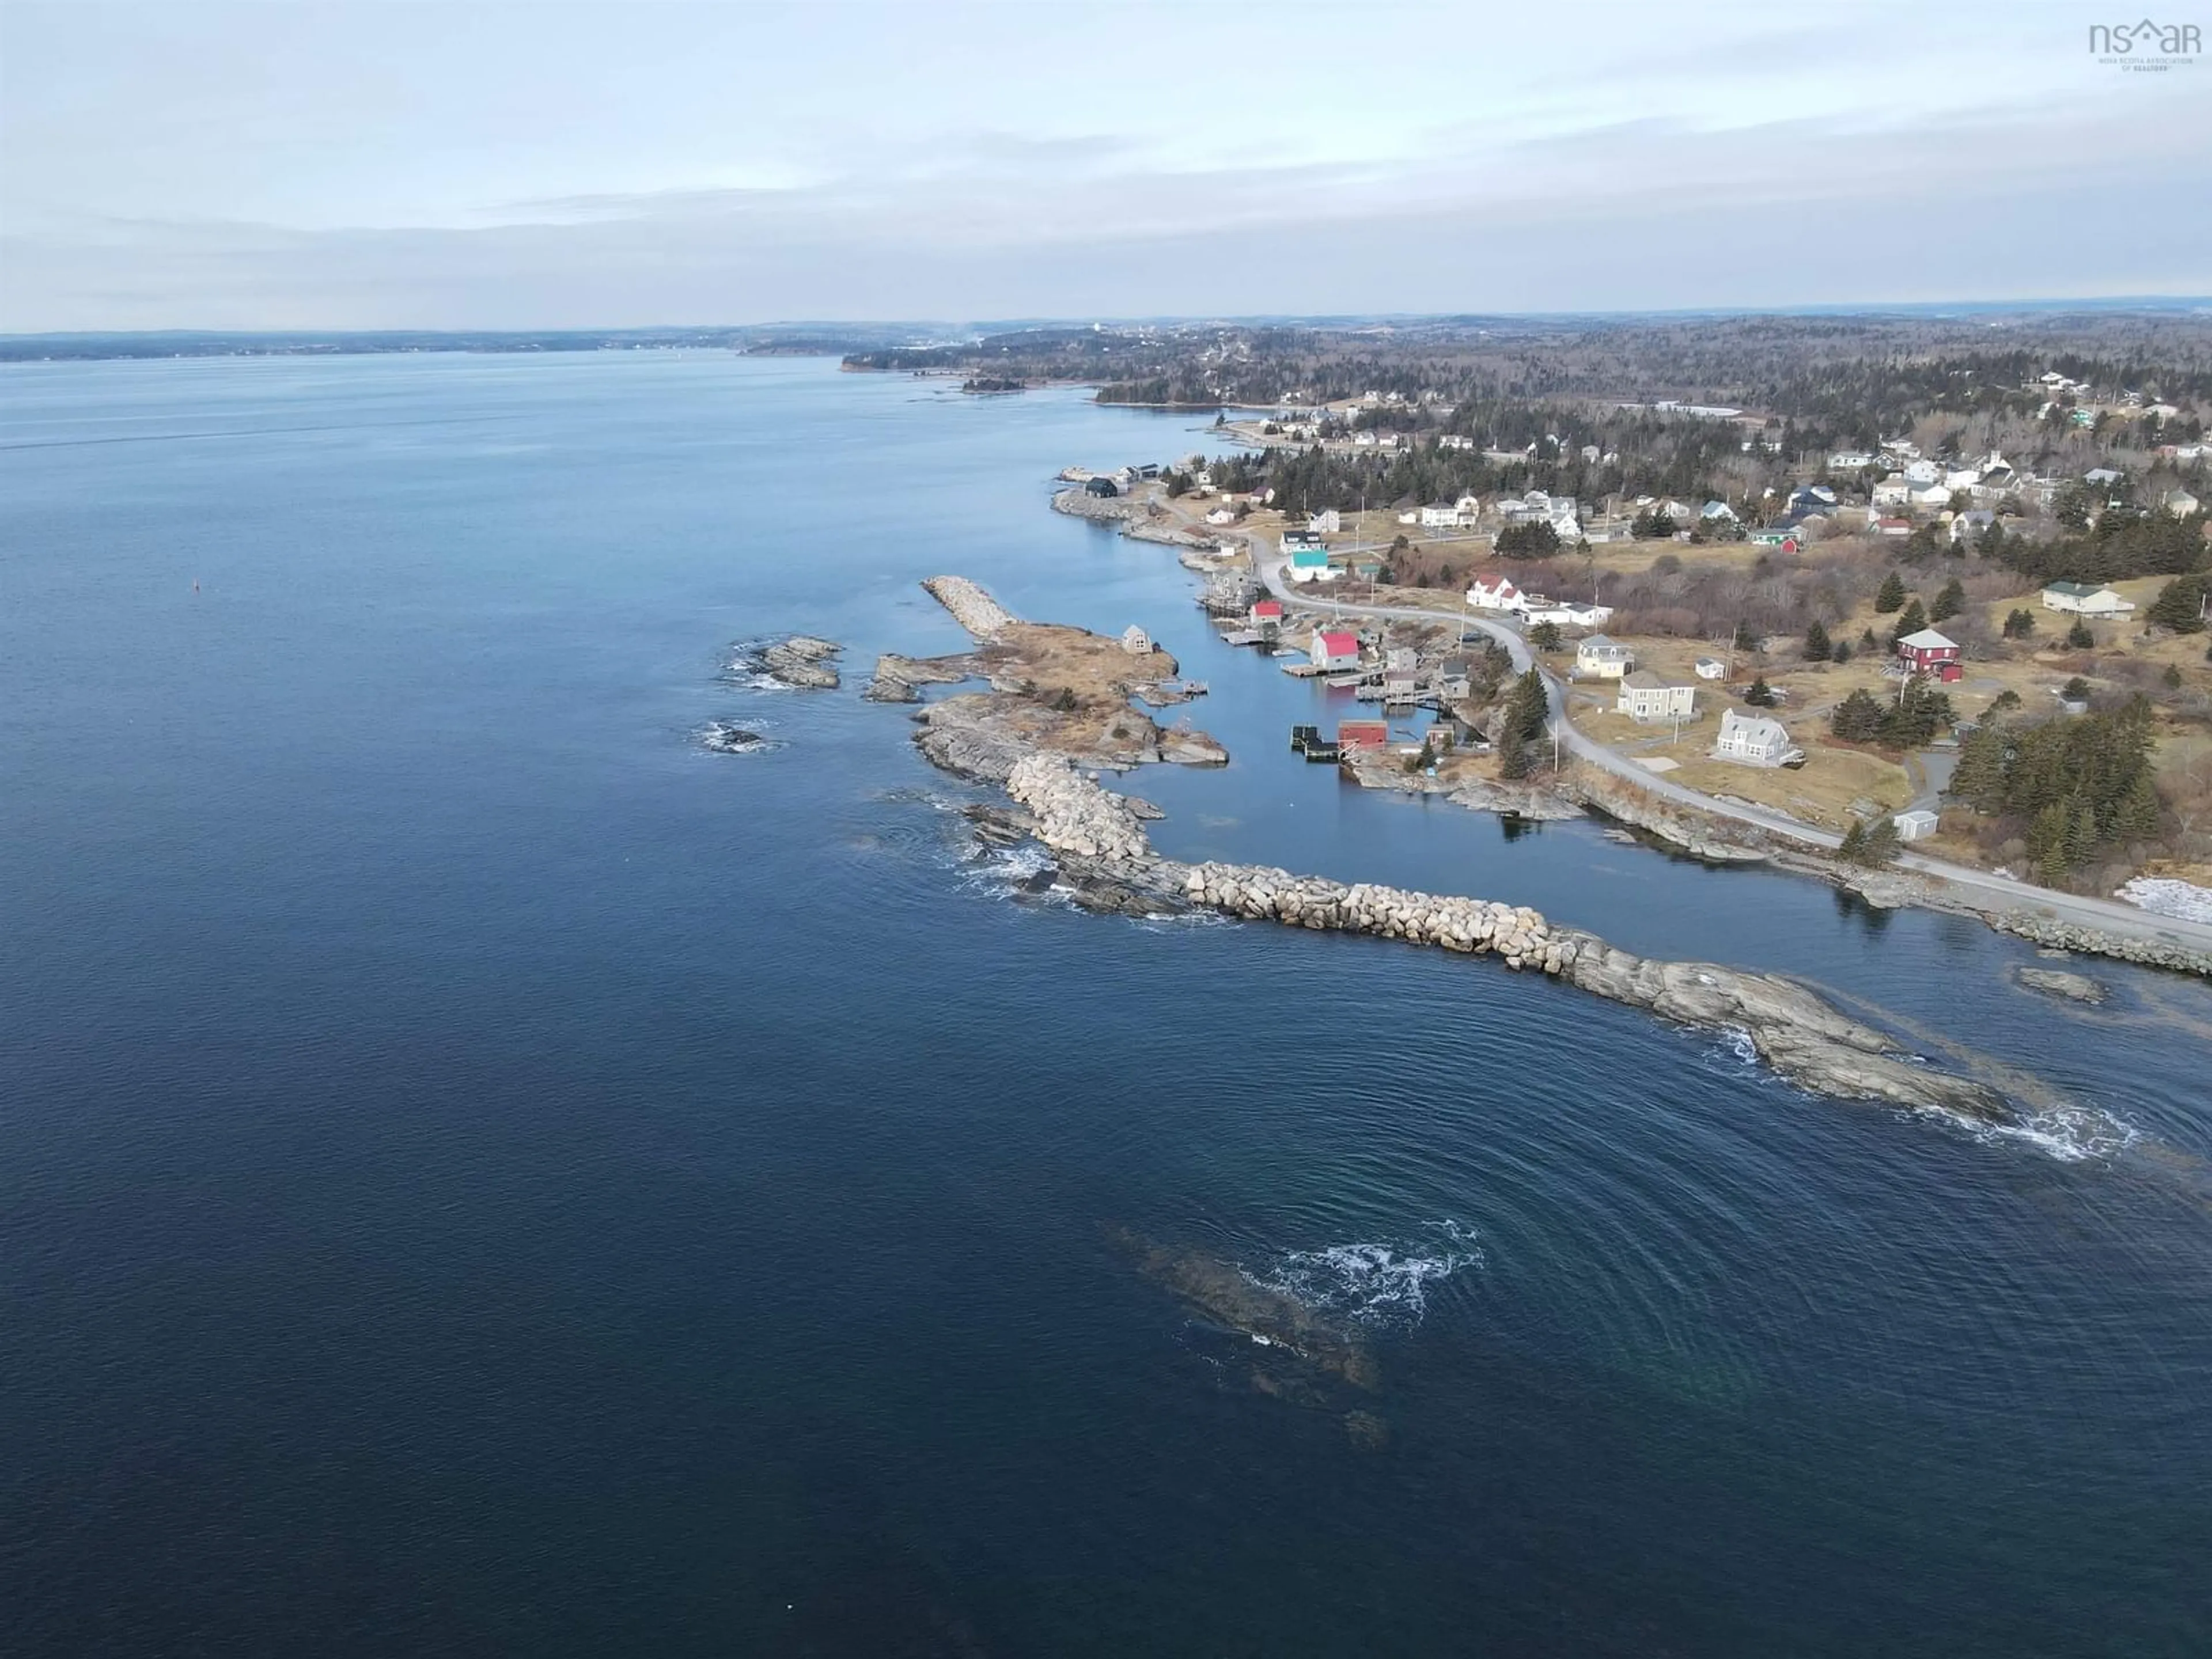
(1930,653)
(1266,610)
(1362,734)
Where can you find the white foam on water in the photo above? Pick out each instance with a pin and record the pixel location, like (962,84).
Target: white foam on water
(1384,1284)
(719,737)
(2072,1134)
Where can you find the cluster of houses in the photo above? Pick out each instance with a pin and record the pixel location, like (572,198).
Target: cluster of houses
(1562,512)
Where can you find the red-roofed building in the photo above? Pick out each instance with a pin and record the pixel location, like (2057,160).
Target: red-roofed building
(1335,648)
(1265,611)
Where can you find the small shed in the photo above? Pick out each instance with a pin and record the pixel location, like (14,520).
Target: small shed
(1136,641)
(1100,486)
(1914,826)
(1363,734)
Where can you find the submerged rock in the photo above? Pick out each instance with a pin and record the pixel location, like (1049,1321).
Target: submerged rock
(725,739)
(2052,981)
(1276,1322)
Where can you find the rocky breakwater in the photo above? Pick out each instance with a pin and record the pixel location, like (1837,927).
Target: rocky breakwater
(1794,1030)
(971,605)
(1072,814)
(2050,931)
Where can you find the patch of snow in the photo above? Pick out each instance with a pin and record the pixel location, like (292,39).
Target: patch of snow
(2162,896)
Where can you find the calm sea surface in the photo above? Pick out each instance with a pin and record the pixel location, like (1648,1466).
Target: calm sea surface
(480,1174)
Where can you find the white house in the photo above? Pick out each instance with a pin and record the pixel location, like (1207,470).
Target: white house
(1567,615)
(2085,599)
(1334,649)
(1645,696)
(1496,594)
(1753,739)
(1922,472)
(1930,496)
(1713,511)
(1327,523)
(1709,668)
(1970,525)
(1602,659)
(1894,491)
(1222,516)
(1440,515)
(1848,460)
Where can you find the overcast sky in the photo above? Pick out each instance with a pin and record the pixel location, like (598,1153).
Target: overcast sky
(399,163)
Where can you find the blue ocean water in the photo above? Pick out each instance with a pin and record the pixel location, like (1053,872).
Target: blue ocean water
(480,1173)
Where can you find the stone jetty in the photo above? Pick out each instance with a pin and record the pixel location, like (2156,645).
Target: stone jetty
(971,605)
(1108,857)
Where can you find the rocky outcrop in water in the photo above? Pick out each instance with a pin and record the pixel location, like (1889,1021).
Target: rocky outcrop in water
(2057,982)
(725,739)
(801,661)
(899,680)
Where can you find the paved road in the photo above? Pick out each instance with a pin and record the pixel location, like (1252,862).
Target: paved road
(2107,915)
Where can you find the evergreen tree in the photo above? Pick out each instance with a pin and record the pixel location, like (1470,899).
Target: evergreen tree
(1816,642)
(1910,620)
(1948,603)
(1979,780)
(2179,605)
(1761,695)
(1871,841)
(1842,651)
(1891,595)
(2019,624)
(1545,636)
(2079,638)
(1856,719)
(1530,707)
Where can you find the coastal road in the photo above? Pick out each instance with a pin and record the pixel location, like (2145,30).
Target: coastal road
(2107,915)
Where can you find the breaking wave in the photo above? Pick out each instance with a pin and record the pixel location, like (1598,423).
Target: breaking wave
(2072,1134)
(728,738)
(1374,1284)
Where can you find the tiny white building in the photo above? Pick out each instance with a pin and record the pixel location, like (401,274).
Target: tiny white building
(1914,826)
(1752,739)
(1327,523)
(1709,668)
(1136,641)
